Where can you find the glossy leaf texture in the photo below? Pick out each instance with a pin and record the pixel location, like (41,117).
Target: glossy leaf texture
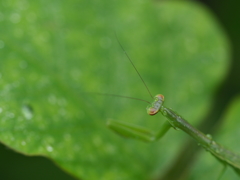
(56,54)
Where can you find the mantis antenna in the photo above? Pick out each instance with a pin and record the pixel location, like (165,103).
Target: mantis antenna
(133,65)
(115,95)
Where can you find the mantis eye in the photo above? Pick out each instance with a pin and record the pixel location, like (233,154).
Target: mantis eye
(160,97)
(152,111)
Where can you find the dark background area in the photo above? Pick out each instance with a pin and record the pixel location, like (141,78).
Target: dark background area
(14,166)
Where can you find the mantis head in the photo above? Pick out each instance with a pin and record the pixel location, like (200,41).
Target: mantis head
(155,107)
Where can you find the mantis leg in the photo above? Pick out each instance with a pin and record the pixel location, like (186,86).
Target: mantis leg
(137,132)
(222,171)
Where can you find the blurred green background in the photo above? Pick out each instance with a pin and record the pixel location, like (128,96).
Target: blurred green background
(56,55)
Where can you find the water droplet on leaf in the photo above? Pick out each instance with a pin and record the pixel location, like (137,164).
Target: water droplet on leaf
(209,136)
(27,111)
(23,143)
(165,113)
(49,148)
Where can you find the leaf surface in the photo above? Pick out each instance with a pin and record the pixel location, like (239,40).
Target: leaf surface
(56,54)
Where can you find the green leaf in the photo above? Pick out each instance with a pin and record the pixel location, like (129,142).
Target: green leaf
(55,54)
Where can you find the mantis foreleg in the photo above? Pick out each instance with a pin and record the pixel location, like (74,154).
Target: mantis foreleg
(137,132)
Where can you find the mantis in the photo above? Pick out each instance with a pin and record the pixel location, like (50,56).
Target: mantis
(175,121)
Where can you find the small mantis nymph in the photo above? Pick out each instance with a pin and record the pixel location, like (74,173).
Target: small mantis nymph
(174,120)
(133,131)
